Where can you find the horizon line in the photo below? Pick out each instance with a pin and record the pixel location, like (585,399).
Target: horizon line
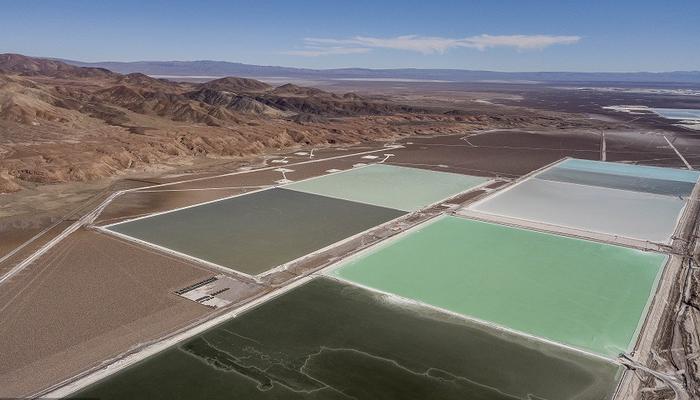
(69,60)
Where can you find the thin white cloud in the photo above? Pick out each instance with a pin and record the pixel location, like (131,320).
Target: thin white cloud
(520,42)
(315,51)
(428,44)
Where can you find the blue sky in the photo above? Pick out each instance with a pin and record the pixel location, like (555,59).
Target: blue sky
(583,35)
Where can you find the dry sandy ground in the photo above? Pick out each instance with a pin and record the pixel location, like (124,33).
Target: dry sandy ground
(28,248)
(135,204)
(88,299)
(269,177)
(493,154)
(514,153)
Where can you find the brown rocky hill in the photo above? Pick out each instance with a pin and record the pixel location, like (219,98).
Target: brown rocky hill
(234,102)
(62,123)
(23,102)
(231,84)
(290,89)
(19,64)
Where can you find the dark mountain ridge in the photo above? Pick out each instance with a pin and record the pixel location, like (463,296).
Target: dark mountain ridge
(208,68)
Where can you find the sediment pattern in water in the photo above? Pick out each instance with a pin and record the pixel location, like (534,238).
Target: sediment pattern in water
(327,340)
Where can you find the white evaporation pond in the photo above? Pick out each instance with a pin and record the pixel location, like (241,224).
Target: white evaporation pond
(625,213)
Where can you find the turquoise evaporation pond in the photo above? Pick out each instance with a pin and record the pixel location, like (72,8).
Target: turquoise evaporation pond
(391,186)
(662,181)
(641,171)
(584,294)
(678,113)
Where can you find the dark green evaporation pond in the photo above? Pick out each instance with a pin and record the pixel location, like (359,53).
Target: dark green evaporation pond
(328,340)
(258,231)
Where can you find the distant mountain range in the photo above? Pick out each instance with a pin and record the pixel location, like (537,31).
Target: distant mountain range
(223,68)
